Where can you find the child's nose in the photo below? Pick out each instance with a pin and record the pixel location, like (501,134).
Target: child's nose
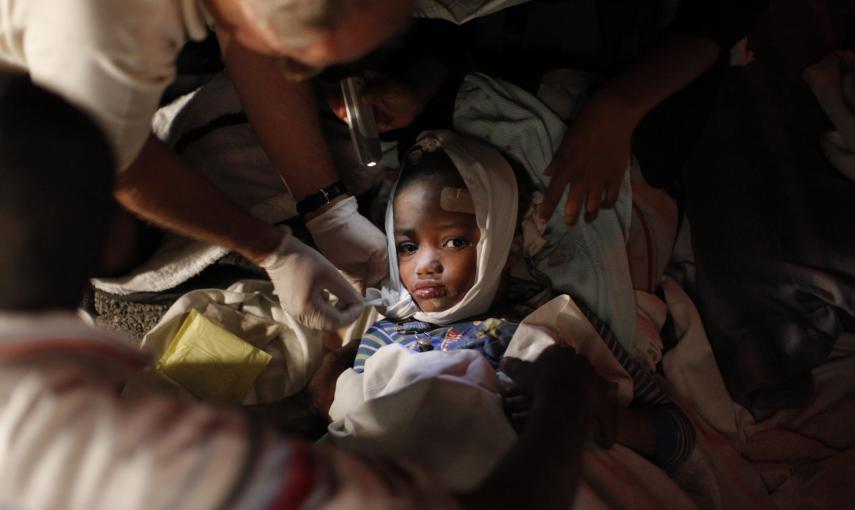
(428,263)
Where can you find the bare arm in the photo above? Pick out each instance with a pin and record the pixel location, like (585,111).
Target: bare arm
(284,116)
(162,188)
(662,73)
(595,151)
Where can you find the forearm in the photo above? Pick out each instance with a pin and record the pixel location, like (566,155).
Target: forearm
(284,116)
(544,467)
(161,187)
(661,73)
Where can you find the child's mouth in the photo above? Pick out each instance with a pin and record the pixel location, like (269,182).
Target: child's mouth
(430,292)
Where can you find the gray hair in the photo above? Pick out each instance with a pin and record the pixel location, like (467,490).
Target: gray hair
(296,23)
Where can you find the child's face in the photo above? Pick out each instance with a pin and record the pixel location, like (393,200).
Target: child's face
(436,248)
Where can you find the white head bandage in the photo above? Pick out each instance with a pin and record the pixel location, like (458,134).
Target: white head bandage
(492,186)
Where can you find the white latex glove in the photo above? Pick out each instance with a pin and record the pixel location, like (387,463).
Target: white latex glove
(351,242)
(303,279)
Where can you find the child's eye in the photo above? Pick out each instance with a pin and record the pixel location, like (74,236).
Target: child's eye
(405,248)
(456,243)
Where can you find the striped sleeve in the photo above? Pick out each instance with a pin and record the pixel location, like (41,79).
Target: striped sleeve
(675,437)
(376,337)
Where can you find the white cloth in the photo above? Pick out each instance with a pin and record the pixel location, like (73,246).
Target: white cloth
(691,368)
(249,310)
(493,187)
(69,442)
(588,260)
(441,410)
(112,58)
(460,11)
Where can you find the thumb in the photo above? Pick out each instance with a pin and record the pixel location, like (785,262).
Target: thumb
(338,286)
(326,317)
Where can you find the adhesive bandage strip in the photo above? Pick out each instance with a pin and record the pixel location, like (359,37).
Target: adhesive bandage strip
(457,200)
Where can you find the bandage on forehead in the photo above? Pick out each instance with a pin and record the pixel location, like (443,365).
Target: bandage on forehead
(457,200)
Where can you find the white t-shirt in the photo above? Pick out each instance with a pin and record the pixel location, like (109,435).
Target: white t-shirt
(112,58)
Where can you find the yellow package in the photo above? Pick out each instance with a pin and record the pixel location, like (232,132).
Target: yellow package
(210,362)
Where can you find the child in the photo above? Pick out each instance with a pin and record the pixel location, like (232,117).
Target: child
(454,236)
(69,441)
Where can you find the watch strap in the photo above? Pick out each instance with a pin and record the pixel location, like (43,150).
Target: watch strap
(324,196)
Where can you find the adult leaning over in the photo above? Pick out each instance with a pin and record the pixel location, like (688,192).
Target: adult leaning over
(114,58)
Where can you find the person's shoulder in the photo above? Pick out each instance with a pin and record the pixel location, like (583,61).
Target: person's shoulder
(117,25)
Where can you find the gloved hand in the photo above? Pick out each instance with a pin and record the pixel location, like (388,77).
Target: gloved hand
(303,279)
(351,242)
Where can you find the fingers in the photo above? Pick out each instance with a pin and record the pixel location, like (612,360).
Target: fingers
(582,196)
(553,195)
(345,311)
(593,202)
(345,292)
(612,194)
(575,199)
(325,316)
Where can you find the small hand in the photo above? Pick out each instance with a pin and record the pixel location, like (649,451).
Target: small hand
(592,159)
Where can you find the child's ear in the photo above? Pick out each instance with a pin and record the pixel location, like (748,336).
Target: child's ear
(516,253)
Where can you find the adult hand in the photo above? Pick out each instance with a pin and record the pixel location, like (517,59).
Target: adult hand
(351,242)
(561,381)
(303,279)
(396,102)
(592,160)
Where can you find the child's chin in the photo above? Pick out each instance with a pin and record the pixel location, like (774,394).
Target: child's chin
(435,305)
